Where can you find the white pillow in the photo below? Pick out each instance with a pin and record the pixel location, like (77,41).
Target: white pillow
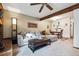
(39,36)
(30,35)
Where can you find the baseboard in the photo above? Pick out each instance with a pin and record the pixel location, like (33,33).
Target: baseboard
(7,38)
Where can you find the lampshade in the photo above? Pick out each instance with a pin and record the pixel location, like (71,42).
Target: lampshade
(13,20)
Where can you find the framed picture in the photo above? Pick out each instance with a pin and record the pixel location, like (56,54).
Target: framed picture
(32,25)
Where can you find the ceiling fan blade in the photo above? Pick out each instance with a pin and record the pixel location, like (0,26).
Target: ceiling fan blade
(41,8)
(49,7)
(35,3)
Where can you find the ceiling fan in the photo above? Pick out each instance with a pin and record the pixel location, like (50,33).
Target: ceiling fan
(43,4)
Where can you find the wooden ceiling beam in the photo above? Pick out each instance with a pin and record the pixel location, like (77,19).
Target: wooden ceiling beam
(71,8)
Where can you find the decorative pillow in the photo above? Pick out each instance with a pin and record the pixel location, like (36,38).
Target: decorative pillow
(30,35)
(33,35)
(39,36)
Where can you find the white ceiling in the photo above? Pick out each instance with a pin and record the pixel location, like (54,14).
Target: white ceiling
(33,11)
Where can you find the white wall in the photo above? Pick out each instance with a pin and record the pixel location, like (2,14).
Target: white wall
(76,28)
(63,19)
(22,21)
(23,25)
(66,28)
